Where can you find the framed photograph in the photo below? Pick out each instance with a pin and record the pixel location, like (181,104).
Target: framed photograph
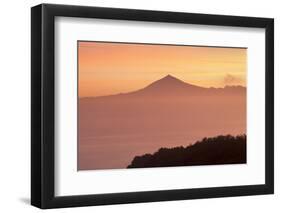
(139,106)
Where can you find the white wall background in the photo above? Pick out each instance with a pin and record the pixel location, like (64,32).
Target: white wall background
(15,105)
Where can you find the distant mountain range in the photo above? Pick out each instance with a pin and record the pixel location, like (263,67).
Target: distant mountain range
(171,86)
(166,113)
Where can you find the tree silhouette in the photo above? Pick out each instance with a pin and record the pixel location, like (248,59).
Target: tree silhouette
(223,149)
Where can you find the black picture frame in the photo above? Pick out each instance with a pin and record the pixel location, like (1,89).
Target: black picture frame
(43,101)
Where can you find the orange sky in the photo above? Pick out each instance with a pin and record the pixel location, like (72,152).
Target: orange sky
(111,68)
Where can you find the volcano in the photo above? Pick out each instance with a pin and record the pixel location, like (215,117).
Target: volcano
(172,87)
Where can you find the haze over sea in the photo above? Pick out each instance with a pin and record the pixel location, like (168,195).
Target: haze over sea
(167,113)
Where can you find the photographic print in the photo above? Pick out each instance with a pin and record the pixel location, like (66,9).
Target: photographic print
(149,99)
(160,105)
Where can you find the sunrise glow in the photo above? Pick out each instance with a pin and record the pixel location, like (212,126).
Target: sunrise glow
(106,68)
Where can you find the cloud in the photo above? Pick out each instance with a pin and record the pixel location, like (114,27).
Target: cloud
(232,80)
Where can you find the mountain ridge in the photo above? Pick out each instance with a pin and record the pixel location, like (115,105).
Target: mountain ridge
(170,85)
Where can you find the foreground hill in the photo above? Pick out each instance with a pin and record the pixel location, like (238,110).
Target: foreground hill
(209,151)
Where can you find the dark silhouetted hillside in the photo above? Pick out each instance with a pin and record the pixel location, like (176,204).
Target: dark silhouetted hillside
(209,151)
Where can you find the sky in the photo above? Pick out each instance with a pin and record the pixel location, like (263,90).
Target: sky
(106,68)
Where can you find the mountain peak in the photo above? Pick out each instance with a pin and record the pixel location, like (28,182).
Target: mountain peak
(169,76)
(169,79)
(169,84)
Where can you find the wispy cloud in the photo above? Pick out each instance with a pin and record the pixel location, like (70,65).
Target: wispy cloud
(232,80)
